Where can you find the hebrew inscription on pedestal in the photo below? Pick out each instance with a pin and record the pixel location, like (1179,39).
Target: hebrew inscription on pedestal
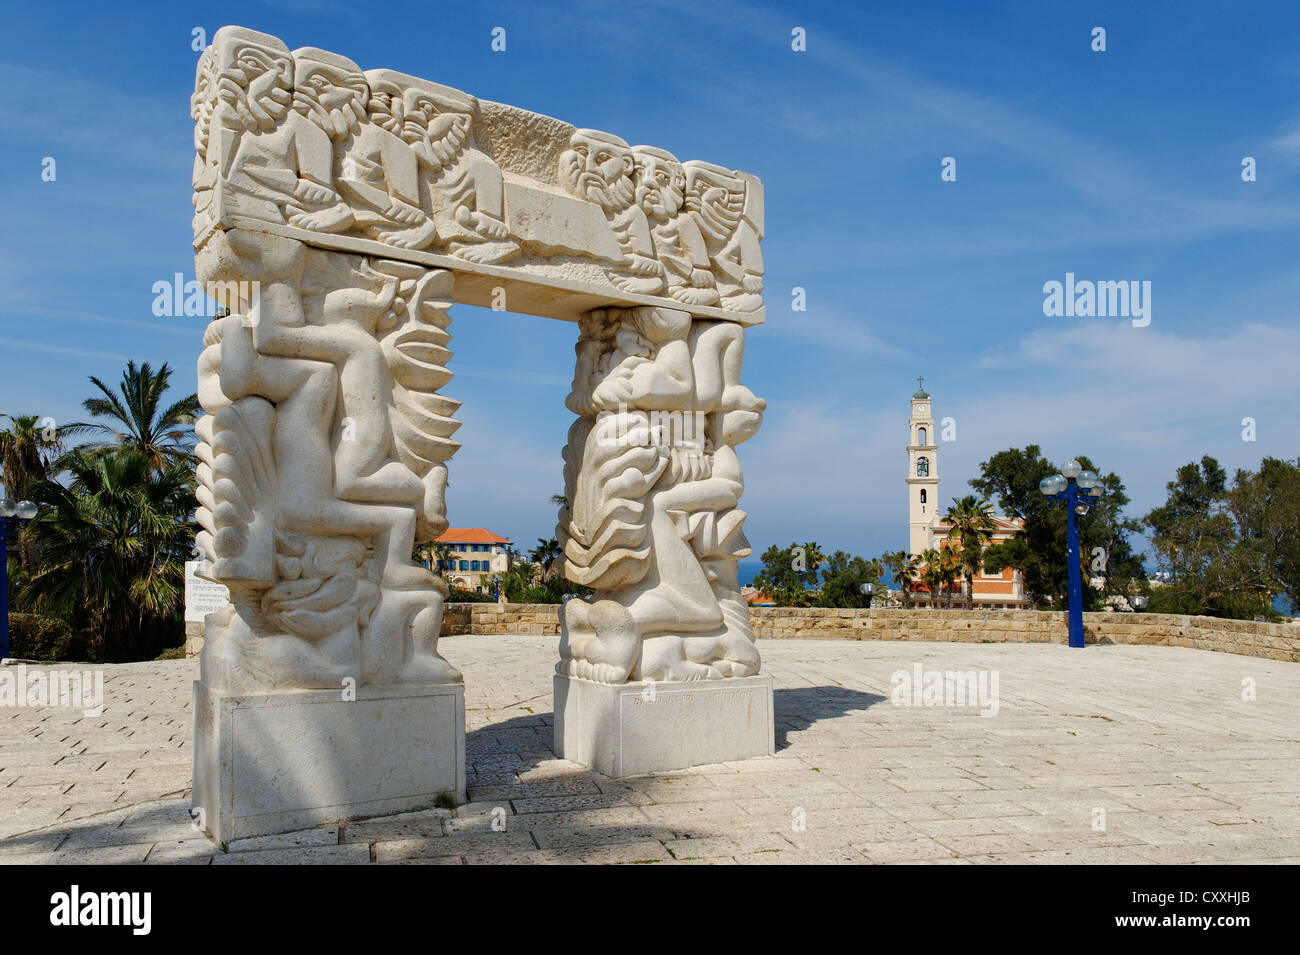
(338,214)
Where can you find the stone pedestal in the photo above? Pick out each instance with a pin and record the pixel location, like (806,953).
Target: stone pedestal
(635,728)
(277,762)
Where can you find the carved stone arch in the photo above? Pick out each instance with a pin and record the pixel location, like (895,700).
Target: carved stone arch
(357,206)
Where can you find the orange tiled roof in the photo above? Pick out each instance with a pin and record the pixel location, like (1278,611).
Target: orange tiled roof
(470,535)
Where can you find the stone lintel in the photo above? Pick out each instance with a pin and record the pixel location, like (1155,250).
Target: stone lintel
(306,143)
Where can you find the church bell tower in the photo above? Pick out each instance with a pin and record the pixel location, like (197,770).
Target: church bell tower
(922,472)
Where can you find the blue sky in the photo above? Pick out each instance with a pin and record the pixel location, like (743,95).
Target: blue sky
(1122,165)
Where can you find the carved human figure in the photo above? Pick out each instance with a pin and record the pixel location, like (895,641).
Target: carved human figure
(203,103)
(379,172)
(728,207)
(277,162)
(329,105)
(308,358)
(599,167)
(678,244)
(250,74)
(461,189)
(652,522)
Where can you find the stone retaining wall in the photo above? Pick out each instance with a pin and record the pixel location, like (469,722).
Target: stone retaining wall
(1272,640)
(540,619)
(1276,641)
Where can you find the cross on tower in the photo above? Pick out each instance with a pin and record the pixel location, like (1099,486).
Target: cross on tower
(919,382)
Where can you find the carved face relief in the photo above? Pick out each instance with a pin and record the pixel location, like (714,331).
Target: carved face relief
(599,167)
(203,100)
(386,108)
(331,95)
(429,121)
(660,185)
(256,84)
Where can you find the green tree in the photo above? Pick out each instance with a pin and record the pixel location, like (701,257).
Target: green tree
(950,572)
(789,574)
(931,572)
(28,454)
(134,417)
(1039,549)
(437,557)
(1213,571)
(901,568)
(1265,506)
(110,548)
(547,553)
(842,578)
(972,525)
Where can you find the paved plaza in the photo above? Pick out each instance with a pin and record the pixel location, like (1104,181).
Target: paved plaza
(1111,754)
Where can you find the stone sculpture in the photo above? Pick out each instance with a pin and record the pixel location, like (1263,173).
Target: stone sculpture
(338,214)
(653,486)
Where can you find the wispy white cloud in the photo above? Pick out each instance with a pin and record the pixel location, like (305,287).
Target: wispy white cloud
(60,349)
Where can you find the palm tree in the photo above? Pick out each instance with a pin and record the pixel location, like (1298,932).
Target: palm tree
(110,550)
(526,572)
(933,573)
(433,555)
(902,571)
(30,449)
(28,454)
(972,524)
(133,419)
(813,557)
(949,571)
(560,500)
(547,553)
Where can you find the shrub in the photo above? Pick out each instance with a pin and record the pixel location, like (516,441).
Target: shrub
(36,637)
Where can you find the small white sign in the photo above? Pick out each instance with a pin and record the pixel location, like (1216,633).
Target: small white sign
(202,597)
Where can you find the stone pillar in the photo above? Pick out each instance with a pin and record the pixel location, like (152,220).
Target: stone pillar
(658,669)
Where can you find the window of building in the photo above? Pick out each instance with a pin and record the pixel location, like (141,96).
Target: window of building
(922,495)
(920,436)
(464,565)
(922,467)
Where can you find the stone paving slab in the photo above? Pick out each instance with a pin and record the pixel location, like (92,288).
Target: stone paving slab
(1114,754)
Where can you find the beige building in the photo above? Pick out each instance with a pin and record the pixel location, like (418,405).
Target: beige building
(476,553)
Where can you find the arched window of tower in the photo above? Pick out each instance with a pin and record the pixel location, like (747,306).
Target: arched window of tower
(920,436)
(922,467)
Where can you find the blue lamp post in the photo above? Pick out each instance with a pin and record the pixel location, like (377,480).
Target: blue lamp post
(1074,487)
(12,517)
